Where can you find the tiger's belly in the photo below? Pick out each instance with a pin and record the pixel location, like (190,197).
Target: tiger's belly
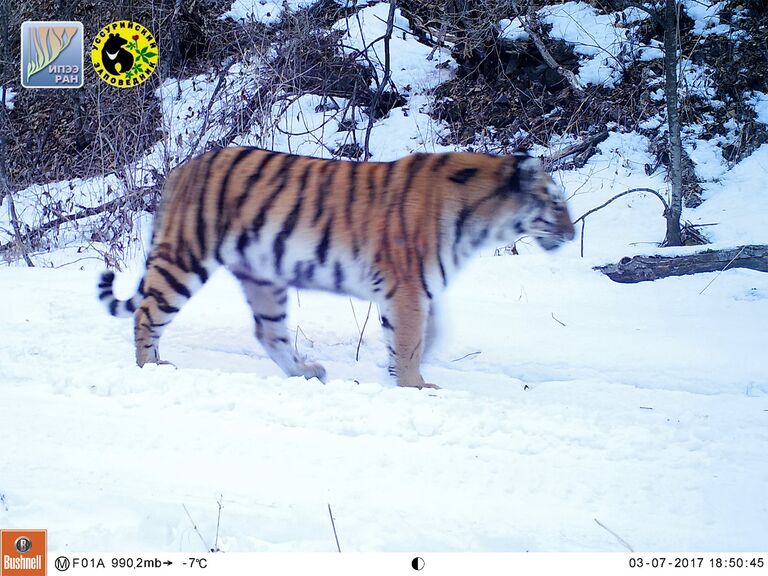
(299,266)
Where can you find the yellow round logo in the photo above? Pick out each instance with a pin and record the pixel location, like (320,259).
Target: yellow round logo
(124,54)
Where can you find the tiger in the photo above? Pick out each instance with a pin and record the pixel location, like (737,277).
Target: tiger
(395,233)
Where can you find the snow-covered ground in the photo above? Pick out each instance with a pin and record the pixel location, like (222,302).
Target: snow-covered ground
(575,414)
(566,399)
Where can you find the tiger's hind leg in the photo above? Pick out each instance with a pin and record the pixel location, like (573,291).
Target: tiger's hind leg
(166,287)
(268,303)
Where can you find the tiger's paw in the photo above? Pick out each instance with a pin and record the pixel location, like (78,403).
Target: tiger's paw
(313,371)
(419,385)
(157,362)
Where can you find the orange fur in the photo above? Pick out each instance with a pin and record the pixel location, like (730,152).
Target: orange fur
(394,232)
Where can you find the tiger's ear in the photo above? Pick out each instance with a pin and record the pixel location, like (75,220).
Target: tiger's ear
(521,173)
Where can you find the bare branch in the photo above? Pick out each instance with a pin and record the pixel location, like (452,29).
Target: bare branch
(550,160)
(384,81)
(110,206)
(20,238)
(646,268)
(604,204)
(545,53)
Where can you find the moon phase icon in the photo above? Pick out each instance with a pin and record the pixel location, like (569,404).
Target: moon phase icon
(417,563)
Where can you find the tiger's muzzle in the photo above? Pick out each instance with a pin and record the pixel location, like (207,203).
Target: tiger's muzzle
(555,234)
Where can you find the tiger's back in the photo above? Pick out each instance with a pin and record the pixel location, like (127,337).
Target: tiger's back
(393,232)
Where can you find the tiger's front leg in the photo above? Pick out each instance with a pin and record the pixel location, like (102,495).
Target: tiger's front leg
(404,320)
(268,303)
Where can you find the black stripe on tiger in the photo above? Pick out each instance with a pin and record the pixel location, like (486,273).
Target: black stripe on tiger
(243,240)
(388,171)
(254,178)
(338,276)
(327,172)
(416,163)
(198,268)
(162,304)
(202,190)
(463,176)
(351,188)
(226,215)
(281,296)
(413,168)
(514,183)
(244,277)
(442,269)
(278,248)
(172,282)
(391,292)
(303,274)
(423,278)
(441,160)
(152,323)
(107,279)
(464,213)
(325,242)
(105,285)
(268,318)
(281,178)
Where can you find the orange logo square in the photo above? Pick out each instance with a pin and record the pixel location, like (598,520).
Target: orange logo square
(23,552)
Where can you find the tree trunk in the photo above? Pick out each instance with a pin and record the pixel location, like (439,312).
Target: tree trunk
(673,121)
(644,268)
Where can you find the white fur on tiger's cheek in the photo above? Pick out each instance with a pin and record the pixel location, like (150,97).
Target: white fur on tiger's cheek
(555,192)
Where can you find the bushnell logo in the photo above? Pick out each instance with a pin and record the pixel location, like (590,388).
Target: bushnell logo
(124,54)
(23,552)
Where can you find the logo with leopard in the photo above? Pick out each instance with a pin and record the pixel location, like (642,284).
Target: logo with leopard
(124,54)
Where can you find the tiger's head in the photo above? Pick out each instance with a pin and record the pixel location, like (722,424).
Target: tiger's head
(537,204)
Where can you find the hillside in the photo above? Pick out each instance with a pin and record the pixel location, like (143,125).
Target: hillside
(307,80)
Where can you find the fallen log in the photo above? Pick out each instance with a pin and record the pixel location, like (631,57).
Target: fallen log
(644,268)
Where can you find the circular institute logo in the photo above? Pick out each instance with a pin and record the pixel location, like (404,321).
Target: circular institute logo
(124,54)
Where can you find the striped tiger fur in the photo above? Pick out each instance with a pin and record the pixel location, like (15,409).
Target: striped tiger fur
(392,232)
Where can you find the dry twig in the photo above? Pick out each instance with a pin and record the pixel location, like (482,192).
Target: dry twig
(546,54)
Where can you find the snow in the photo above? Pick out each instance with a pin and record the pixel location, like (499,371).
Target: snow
(759,100)
(265,11)
(9,96)
(567,399)
(411,70)
(737,203)
(631,222)
(707,158)
(653,52)
(695,80)
(626,414)
(704,14)
(605,47)
(512,30)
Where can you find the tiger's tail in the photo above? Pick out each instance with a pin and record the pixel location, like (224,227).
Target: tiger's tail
(117,308)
